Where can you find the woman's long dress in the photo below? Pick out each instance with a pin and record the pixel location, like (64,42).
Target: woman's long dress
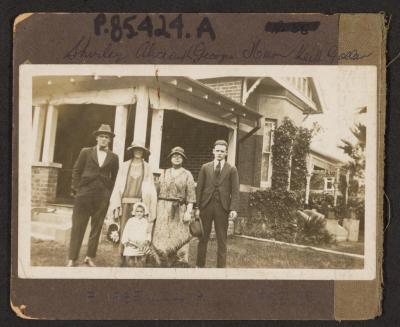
(132,194)
(170,230)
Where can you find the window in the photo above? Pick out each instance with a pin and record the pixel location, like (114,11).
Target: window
(266,162)
(329,184)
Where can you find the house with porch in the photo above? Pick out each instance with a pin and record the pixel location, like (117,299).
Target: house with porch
(162,112)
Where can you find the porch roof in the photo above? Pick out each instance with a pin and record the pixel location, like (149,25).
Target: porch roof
(184,88)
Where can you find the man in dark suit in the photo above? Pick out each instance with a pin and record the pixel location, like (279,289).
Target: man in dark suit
(218,201)
(93,179)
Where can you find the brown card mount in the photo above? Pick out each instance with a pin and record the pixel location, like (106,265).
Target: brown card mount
(299,100)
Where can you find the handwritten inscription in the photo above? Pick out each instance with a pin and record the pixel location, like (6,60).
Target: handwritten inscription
(293,27)
(130,27)
(195,53)
(303,52)
(83,50)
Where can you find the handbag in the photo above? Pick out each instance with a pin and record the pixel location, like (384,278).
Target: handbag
(196,227)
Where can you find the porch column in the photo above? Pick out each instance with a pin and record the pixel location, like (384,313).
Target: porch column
(142,110)
(232,146)
(157,119)
(308,180)
(121,115)
(50,134)
(39,115)
(336,186)
(346,195)
(310,169)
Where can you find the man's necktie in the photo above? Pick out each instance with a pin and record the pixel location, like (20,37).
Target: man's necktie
(218,169)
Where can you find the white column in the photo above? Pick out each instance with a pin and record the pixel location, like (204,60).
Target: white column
(346,195)
(157,120)
(308,180)
(50,134)
(121,116)
(336,186)
(142,110)
(232,146)
(39,115)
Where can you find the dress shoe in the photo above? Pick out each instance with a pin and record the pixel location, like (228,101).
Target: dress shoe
(89,262)
(71,263)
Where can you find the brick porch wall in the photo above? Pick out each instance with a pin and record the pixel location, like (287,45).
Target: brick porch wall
(44,183)
(230,87)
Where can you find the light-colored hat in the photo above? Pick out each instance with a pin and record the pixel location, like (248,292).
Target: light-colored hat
(139,145)
(104,129)
(178,150)
(140,204)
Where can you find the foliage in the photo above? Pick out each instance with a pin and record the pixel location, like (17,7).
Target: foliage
(289,156)
(356,152)
(311,229)
(284,137)
(301,149)
(356,205)
(322,202)
(273,214)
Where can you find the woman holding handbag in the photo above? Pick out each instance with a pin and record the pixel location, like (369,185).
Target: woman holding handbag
(174,208)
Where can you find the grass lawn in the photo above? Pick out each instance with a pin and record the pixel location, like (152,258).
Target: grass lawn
(242,253)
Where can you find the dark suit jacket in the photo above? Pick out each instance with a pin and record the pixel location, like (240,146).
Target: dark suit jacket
(88,178)
(227,185)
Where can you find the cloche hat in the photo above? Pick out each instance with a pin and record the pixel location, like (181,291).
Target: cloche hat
(178,150)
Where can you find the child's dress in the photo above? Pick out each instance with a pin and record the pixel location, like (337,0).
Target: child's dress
(135,231)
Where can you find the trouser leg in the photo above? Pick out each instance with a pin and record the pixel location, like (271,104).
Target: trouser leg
(80,219)
(97,221)
(206,219)
(221,228)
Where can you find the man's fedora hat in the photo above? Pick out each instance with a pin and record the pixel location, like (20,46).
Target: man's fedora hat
(178,150)
(139,145)
(104,129)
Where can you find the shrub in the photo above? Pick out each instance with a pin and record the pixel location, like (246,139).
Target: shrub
(301,149)
(311,229)
(284,136)
(273,214)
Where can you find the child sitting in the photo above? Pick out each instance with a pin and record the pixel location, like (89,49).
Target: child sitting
(136,236)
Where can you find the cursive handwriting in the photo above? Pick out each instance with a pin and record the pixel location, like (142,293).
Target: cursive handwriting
(84,50)
(353,54)
(195,53)
(307,53)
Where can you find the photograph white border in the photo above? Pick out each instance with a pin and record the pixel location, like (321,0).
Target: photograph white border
(25,270)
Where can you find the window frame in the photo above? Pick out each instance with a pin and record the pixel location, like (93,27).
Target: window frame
(274,123)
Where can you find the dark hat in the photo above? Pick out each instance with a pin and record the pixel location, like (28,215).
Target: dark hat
(196,228)
(104,129)
(139,145)
(178,150)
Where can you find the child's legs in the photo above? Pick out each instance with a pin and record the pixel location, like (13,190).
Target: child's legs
(135,261)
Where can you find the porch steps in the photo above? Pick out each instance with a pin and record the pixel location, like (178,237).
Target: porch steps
(54,223)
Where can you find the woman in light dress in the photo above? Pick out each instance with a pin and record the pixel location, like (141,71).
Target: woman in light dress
(135,183)
(174,207)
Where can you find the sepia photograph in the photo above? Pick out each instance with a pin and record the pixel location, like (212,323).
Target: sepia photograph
(197,172)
